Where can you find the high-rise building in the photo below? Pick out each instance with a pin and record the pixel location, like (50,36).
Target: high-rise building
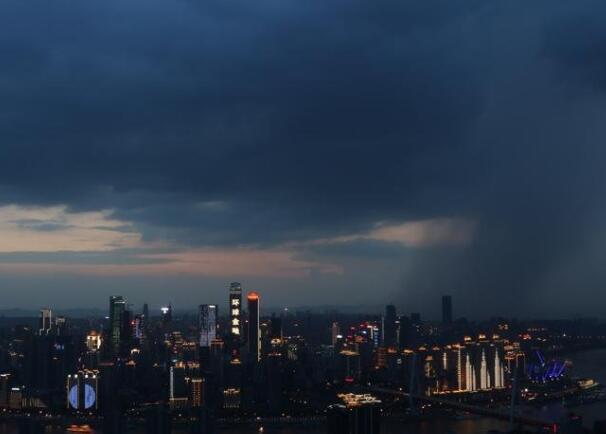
(235,310)
(15,399)
(254,337)
(415,319)
(46,321)
(235,320)
(117,306)
(196,393)
(389,326)
(138,323)
(83,390)
(145,319)
(275,331)
(446,309)
(177,388)
(335,331)
(167,315)
(207,323)
(5,383)
(93,341)
(404,332)
(127,332)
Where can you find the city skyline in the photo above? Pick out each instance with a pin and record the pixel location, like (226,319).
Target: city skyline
(339,373)
(302,217)
(388,153)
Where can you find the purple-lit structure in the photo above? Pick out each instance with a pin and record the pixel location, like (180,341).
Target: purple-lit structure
(540,370)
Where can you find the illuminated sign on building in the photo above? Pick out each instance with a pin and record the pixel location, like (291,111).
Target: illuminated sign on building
(235,305)
(82,390)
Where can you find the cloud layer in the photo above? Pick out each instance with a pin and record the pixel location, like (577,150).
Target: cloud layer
(390,150)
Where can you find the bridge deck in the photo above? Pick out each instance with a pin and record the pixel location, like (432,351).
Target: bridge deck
(475,409)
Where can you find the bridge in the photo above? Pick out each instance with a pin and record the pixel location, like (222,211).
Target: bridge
(470,408)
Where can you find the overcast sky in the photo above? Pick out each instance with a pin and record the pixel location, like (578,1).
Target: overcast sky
(321,152)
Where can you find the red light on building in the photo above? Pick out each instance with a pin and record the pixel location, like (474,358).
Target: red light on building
(253,296)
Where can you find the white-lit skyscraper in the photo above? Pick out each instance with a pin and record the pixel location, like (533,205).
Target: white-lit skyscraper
(46,321)
(207,320)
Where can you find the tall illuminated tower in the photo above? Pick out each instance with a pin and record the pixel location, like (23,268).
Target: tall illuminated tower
(235,318)
(207,322)
(117,306)
(484,381)
(167,314)
(254,337)
(46,321)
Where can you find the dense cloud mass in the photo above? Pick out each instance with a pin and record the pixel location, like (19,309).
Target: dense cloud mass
(385,151)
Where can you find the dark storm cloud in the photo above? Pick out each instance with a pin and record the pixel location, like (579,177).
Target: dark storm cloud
(292,109)
(233,122)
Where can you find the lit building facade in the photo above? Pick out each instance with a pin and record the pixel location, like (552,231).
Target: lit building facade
(196,392)
(83,390)
(207,323)
(46,321)
(254,337)
(235,319)
(117,307)
(93,341)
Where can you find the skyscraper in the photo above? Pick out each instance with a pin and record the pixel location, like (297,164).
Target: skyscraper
(145,319)
(235,317)
(235,306)
(117,306)
(389,326)
(254,338)
(207,323)
(46,321)
(167,315)
(446,309)
(276,328)
(415,319)
(334,333)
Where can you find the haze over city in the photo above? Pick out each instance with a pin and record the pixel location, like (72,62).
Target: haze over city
(324,153)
